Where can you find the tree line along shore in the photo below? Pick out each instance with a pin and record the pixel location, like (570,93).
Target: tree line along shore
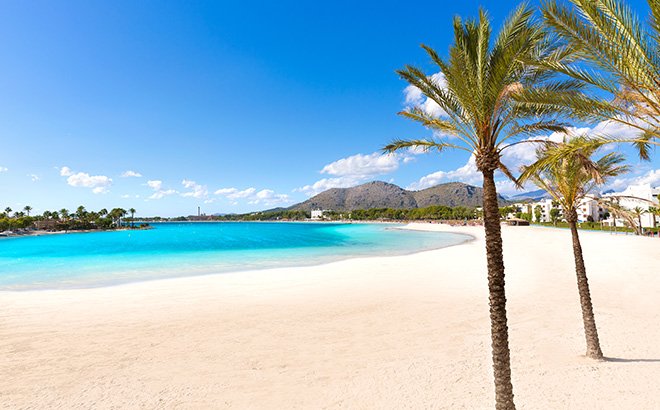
(21,222)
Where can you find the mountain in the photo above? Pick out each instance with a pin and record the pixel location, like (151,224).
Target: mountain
(375,194)
(450,194)
(529,196)
(380,194)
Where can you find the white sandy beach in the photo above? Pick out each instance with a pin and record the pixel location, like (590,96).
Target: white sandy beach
(388,333)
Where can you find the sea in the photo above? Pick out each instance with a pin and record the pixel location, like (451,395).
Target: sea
(94,259)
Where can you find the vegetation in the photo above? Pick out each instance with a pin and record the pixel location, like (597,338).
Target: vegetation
(63,220)
(568,179)
(436,212)
(603,45)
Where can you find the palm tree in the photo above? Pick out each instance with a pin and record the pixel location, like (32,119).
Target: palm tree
(568,179)
(27,209)
(655,211)
(116,214)
(64,213)
(132,211)
(478,107)
(638,211)
(81,212)
(8,211)
(602,45)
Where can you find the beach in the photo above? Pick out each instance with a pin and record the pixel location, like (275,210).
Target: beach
(395,332)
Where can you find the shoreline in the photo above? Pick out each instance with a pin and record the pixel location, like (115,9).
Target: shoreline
(378,332)
(467,238)
(41,232)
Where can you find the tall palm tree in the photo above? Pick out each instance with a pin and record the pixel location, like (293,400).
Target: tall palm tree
(568,179)
(478,108)
(27,209)
(8,211)
(638,211)
(64,213)
(603,45)
(132,211)
(655,211)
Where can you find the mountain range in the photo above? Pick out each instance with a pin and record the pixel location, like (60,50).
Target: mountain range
(529,196)
(379,194)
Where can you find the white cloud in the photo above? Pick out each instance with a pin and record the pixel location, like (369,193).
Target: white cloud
(353,170)
(155,184)
(363,165)
(234,193)
(266,197)
(162,193)
(415,98)
(197,190)
(99,184)
(328,183)
(269,197)
(651,177)
(4,169)
(130,174)
(34,177)
(468,174)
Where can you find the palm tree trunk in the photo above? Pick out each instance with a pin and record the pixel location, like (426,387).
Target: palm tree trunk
(497,297)
(590,332)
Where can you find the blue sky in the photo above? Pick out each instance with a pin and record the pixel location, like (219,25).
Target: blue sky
(231,106)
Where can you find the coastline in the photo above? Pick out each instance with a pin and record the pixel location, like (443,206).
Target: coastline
(388,332)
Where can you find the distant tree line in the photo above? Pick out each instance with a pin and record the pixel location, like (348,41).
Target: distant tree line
(437,212)
(65,220)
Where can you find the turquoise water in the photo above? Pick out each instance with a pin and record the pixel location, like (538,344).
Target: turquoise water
(184,249)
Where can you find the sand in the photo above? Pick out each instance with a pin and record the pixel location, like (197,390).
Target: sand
(384,332)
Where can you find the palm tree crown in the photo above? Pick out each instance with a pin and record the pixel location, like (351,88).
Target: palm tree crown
(567,172)
(602,45)
(481,81)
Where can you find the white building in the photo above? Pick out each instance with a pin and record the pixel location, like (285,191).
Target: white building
(643,196)
(545,205)
(590,210)
(318,214)
(518,207)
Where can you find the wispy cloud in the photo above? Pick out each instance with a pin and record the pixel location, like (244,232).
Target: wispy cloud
(4,169)
(266,197)
(130,174)
(157,186)
(196,190)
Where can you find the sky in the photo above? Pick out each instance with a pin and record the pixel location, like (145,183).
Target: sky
(229,106)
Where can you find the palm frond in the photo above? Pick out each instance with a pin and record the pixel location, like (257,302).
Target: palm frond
(426,145)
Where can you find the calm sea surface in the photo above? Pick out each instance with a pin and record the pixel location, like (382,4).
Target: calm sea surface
(185,249)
